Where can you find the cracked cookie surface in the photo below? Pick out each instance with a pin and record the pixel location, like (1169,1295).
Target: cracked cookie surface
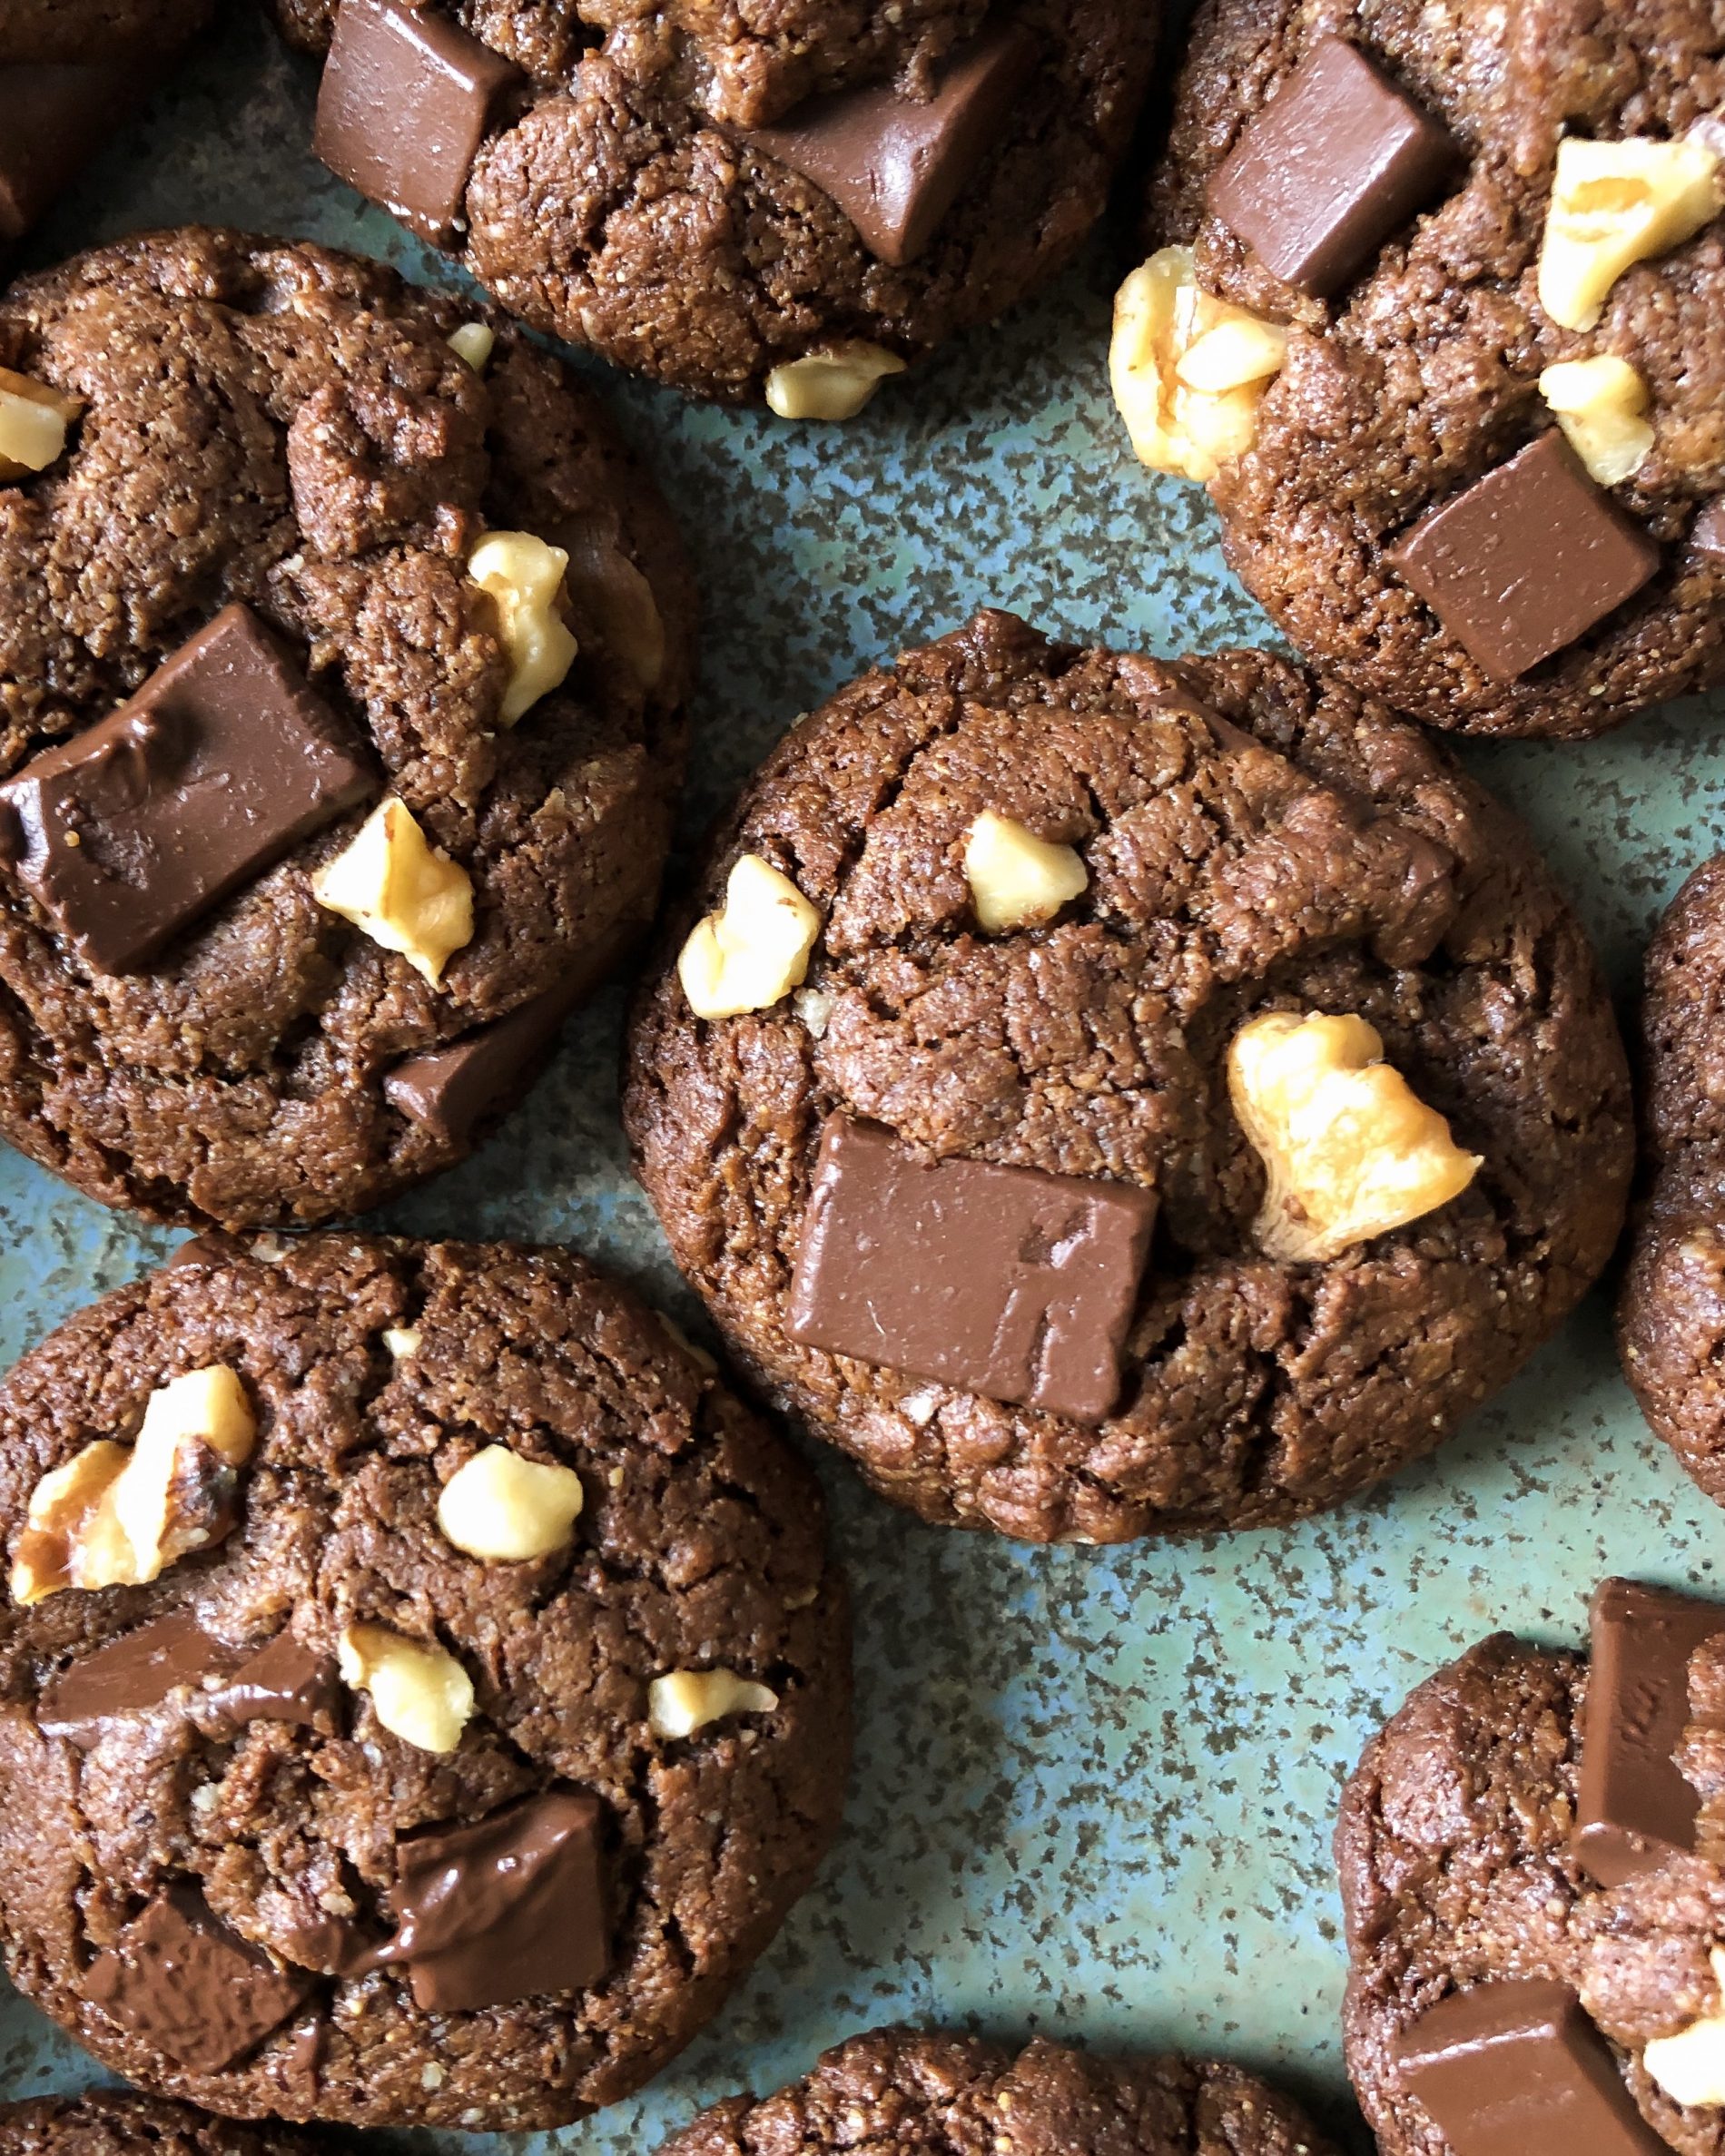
(113,2122)
(376,1369)
(289,429)
(1253,843)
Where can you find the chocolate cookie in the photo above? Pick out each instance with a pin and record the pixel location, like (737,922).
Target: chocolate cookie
(1482,231)
(1533,1880)
(910,2088)
(734,199)
(1671,1317)
(114,2122)
(71,71)
(422,1691)
(316,817)
(1192,1258)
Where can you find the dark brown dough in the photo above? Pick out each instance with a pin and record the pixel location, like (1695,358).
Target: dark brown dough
(114,2122)
(623,210)
(1423,374)
(700,1545)
(923,2091)
(1223,883)
(92,31)
(287,426)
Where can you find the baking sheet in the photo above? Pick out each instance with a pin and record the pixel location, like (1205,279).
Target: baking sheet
(1093,1788)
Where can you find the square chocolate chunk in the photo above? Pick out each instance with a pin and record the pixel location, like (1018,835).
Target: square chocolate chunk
(1635,1808)
(1517,2068)
(224,759)
(407,100)
(1335,162)
(1004,1281)
(895,165)
(1709,531)
(1526,561)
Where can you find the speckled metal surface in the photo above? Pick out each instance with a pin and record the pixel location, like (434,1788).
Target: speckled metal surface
(1093,1788)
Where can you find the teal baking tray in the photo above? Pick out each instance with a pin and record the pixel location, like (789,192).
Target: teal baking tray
(1093,1787)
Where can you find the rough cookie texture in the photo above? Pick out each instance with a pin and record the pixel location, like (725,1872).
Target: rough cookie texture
(1297,849)
(624,208)
(1423,374)
(699,1542)
(906,2089)
(1452,1847)
(288,427)
(1671,1318)
(109,2123)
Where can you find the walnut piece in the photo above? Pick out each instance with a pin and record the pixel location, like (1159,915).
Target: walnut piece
(833,383)
(116,1515)
(419,1693)
(1016,879)
(403,1342)
(1614,204)
(755,950)
(688,1699)
(1602,405)
(505,1510)
(473,342)
(33,423)
(1690,2066)
(404,893)
(1188,371)
(1349,1151)
(525,578)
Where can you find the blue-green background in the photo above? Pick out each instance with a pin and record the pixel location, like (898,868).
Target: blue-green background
(1093,1788)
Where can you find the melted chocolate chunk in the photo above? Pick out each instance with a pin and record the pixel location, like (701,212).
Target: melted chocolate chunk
(1517,2068)
(1335,162)
(282,1682)
(53,119)
(407,100)
(188,1984)
(511,1907)
(1635,1808)
(450,1091)
(226,757)
(1708,532)
(895,165)
(1004,1281)
(1526,561)
(136,1670)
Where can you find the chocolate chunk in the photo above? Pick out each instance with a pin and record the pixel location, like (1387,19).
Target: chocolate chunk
(282,1682)
(1517,2068)
(1526,561)
(136,827)
(53,119)
(188,1984)
(136,1670)
(407,100)
(211,1249)
(1005,1281)
(509,1908)
(895,165)
(1635,1808)
(1335,162)
(1708,532)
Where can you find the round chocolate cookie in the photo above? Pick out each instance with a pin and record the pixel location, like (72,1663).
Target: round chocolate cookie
(423,1689)
(712,196)
(315,818)
(1671,1318)
(121,2122)
(1045,907)
(1532,1868)
(916,2090)
(1441,204)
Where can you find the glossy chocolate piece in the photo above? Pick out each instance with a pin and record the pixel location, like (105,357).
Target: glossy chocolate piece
(128,832)
(407,100)
(282,1682)
(1526,561)
(138,1669)
(511,1907)
(189,1985)
(1002,1281)
(1517,2068)
(1336,163)
(896,166)
(1635,1808)
(53,120)
(1709,531)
